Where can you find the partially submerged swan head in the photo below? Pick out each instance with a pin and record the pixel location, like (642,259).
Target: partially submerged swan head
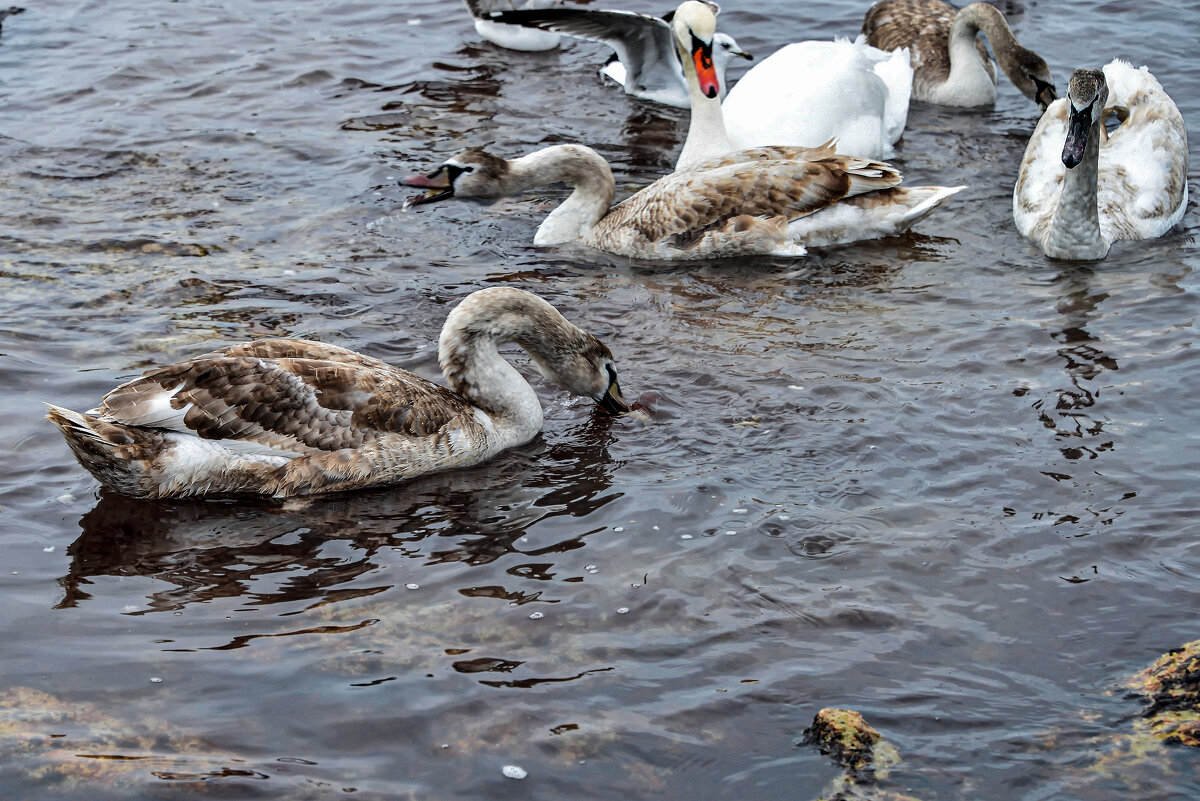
(694,24)
(1030,73)
(565,354)
(1087,93)
(471,173)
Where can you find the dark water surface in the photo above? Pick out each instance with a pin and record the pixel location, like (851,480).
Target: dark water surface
(937,479)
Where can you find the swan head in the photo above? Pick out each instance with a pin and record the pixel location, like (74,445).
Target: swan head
(586,369)
(1087,93)
(471,173)
(694,25)
(1030,73)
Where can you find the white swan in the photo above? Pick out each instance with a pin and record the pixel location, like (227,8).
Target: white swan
(950,63)
(809,92)
(1130,184)
(644,61)
(513,37)
(286,417)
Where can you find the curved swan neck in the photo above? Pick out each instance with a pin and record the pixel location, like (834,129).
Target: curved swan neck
(987,19)
(577,165)
(1075,229)
(967,67)
(468,352)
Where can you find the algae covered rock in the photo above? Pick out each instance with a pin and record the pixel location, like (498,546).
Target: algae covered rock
(1172,683)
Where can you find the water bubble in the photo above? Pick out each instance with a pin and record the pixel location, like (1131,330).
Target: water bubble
(48,549)
(536,616)
(622,610)
(730,533)
(412,586)
(655,528)
(740,511)
(155,680)
(514,772)
(619,528)
(685,536)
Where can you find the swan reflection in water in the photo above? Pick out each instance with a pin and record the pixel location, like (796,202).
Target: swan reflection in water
(277,552)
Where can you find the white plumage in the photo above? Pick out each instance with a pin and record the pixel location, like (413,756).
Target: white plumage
(1131,184)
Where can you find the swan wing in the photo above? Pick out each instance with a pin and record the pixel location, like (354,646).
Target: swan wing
(923,26)
(682,208)
(286,397)
(1142,182)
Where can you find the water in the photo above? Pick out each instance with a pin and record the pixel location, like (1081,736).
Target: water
(937,479)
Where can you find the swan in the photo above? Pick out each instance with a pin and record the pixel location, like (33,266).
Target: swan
(808,92)
(644,61)
(861,123)
(1130,184)
(765,201)
(513,37)
(951,66)
(285,417)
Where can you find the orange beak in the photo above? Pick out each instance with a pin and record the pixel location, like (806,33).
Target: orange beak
(705,71)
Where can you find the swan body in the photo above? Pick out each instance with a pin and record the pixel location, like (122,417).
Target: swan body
(285,417)
(809,92)
(1080,189)
(644,60)
(512,37)
(950,63)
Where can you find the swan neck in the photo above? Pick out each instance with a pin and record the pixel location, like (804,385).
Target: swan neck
(581,167)
(1075,229)
(707,137)
(988,20)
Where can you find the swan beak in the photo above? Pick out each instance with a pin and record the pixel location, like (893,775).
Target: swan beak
(1045,94)
(706,72)
(438,183)
(1078,126)
(612,401)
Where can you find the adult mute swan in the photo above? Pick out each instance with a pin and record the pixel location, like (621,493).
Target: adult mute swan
(1080,189)
(950,63)
(644,60)
(284,417)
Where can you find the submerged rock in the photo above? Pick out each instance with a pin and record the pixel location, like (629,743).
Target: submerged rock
(858,747)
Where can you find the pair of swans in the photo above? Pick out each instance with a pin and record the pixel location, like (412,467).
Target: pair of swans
(763,201)
(286,417)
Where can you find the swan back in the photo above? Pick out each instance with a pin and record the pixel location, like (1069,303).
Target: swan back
(809,92)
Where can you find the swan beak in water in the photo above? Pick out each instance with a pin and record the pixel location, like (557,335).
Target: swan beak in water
(1078,126)
(439,183)
(705,71)
(612,401)
(1045,93)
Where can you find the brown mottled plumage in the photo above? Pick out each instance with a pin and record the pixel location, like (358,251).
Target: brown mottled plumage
(941,39)
(289,417)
